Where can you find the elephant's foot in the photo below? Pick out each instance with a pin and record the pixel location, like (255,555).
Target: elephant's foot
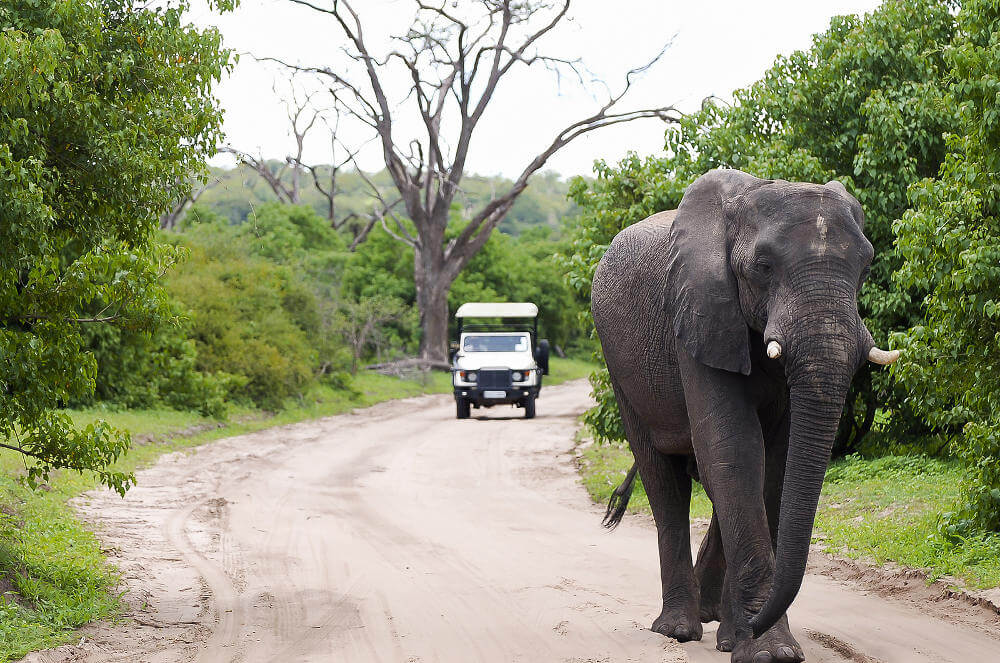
(710,608)
(725,637)
(680,624)
(774,646)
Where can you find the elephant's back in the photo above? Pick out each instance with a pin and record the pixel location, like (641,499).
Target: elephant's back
(633,265)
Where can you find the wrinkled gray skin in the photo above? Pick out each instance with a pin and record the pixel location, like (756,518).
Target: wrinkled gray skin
(685,304)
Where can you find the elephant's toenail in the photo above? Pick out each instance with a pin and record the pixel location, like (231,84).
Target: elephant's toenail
(763,657)
(787,653)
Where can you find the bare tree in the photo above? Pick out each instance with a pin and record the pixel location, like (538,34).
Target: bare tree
(361,323)
(303,117)
(325,177)
(187,196)
(455,63)
(325,180)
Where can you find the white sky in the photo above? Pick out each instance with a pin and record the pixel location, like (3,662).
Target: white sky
(718,46)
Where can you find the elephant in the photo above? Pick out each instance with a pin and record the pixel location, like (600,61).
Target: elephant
(731,334)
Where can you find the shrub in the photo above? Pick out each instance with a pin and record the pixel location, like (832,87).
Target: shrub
(249,317)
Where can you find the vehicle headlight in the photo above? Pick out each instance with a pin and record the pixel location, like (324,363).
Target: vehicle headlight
(469,376)
(517,376)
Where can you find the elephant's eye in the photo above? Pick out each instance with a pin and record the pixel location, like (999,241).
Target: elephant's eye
(761,269)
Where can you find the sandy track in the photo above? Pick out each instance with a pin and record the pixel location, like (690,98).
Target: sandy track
(398,533)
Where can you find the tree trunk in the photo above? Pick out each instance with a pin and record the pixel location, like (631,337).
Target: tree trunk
(432,284)
(433,305)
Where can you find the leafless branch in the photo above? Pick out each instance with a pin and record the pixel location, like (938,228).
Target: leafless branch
(186,198)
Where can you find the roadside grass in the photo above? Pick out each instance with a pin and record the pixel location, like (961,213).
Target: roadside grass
(53,575)
(561,370)
(603,468)
(876,510)
(52,572)
(887,509)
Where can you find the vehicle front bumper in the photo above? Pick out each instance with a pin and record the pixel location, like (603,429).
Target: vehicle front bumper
(511,395)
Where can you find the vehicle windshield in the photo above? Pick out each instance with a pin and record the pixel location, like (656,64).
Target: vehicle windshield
(489,343)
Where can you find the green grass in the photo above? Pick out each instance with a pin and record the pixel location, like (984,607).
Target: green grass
(52,566)
(880,510)
(561,370)
(52,563)
(603,468)
(887,509)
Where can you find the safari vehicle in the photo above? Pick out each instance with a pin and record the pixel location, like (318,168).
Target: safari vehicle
(496,363)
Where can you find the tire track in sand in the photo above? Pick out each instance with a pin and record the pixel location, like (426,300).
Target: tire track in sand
(400,534)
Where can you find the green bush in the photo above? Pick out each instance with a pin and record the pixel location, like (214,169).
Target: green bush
(951,245)
(136,369)
(249,317)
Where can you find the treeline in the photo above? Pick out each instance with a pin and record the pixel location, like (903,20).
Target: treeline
(900,105)
(235,192)
(267,307)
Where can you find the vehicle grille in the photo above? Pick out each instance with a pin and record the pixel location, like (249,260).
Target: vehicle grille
(494,379)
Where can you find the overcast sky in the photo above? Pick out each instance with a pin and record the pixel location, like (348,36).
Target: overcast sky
(718,46)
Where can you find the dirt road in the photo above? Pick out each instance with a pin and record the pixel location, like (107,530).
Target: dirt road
(400,534)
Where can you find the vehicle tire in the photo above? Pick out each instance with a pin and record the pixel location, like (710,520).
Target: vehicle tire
(529,408)
(542,356)
(462,408)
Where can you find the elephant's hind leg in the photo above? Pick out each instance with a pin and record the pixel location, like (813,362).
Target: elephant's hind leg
(668,487)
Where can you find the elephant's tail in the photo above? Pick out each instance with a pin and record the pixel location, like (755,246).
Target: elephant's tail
(619,499)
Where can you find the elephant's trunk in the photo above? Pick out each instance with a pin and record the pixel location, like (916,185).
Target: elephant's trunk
(819,371)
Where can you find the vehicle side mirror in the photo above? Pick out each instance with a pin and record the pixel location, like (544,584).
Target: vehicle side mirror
(542,356)
(452,350)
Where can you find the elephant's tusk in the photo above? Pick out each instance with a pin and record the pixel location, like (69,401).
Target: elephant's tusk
(882,357)
(773,349)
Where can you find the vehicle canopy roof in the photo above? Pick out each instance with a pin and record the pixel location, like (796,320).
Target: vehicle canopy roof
(497,310)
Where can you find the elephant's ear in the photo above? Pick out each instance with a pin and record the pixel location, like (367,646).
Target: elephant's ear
(701,291)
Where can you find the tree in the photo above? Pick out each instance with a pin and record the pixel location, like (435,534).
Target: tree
(950,241)
(362,322)
(859,106)
(186,195)
(455,57)
(105,105)
(302,118)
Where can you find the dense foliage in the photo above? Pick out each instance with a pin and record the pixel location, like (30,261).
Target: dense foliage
(104,105)
(142,369)
(272,306)
(951,244)
(859,106)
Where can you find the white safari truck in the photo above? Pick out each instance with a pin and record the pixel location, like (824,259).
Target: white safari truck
(498,357)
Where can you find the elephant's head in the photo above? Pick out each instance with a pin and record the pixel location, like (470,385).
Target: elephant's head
(786,260)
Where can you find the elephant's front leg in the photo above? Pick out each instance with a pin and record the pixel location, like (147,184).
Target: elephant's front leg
(729,446)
